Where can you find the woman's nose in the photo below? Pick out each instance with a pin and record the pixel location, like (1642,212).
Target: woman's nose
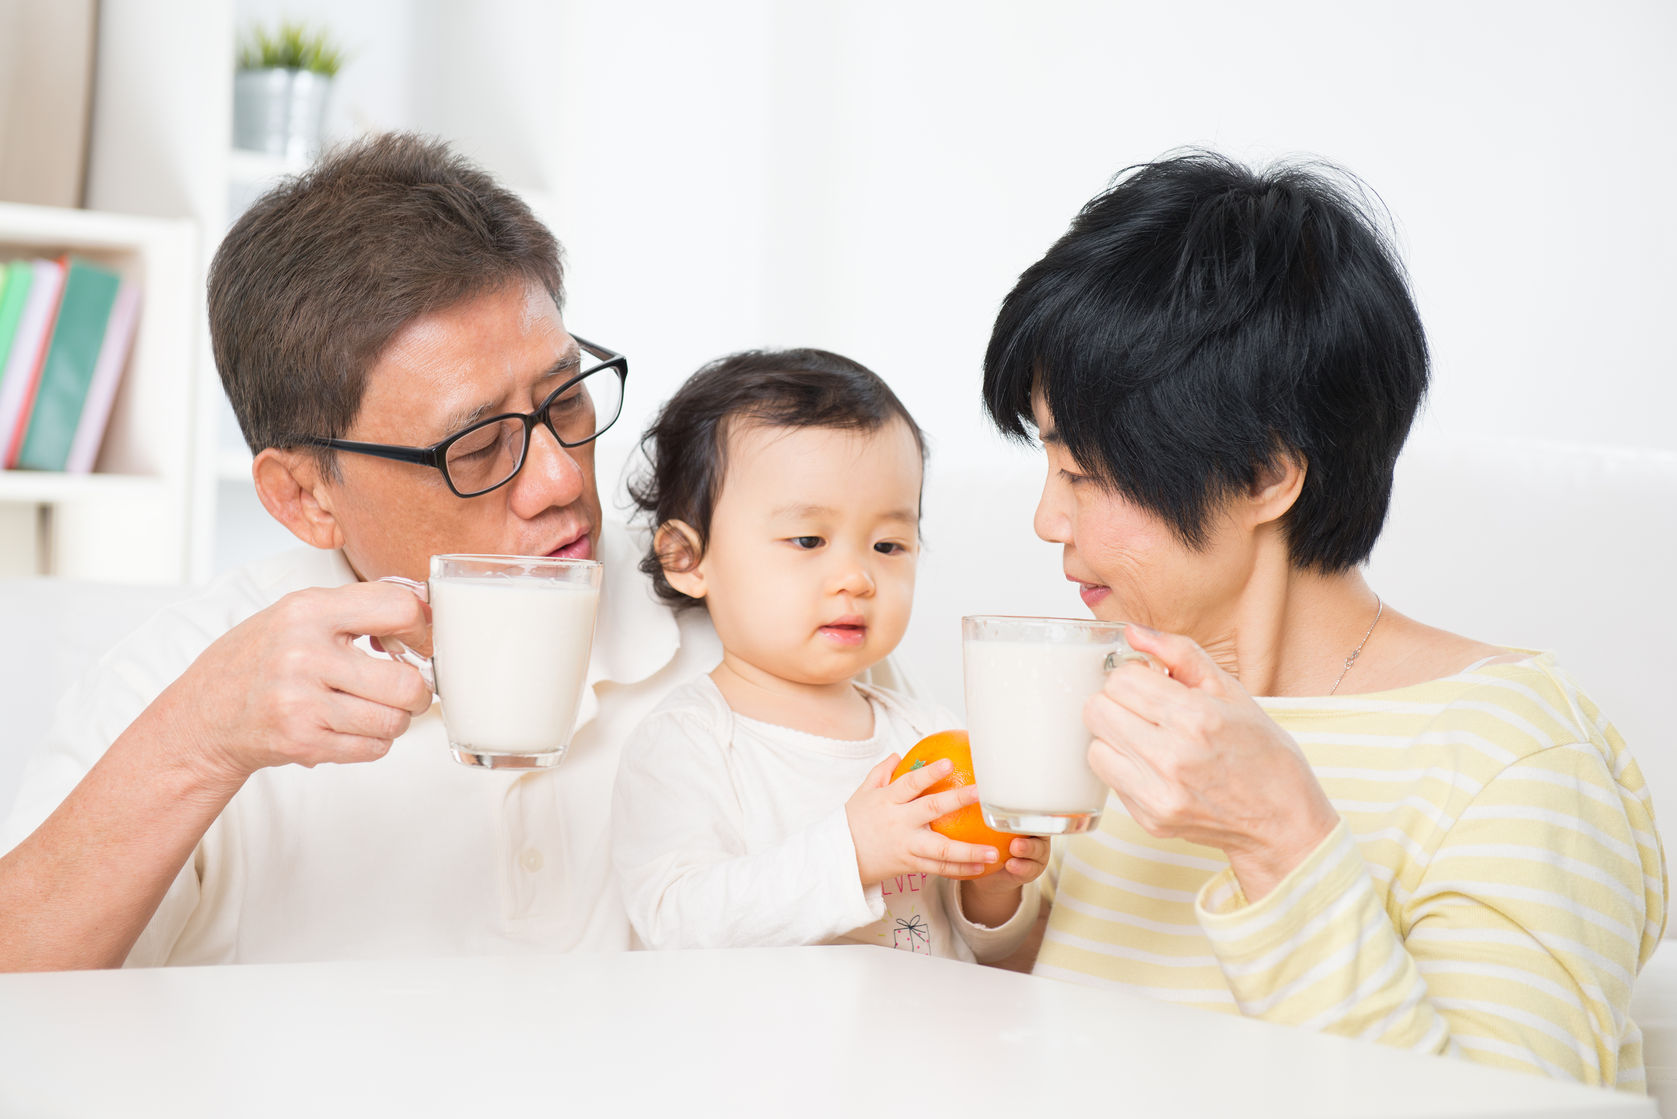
(1050,520)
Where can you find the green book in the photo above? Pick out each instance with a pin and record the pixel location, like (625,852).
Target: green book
(77,335)
(14,291)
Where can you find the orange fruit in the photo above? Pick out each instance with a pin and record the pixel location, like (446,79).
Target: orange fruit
(964,824)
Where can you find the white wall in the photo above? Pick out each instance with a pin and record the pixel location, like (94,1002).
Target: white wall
(871,176)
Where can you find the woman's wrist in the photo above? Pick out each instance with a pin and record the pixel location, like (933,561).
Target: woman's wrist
(1262,867)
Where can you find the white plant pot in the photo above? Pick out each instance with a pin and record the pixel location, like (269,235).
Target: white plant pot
(281,112)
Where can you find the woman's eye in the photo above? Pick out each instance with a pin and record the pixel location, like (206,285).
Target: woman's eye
(806,542)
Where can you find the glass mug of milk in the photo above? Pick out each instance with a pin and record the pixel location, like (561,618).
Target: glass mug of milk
(510,638)
(1026,682)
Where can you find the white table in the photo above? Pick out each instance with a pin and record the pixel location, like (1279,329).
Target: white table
(802,1031)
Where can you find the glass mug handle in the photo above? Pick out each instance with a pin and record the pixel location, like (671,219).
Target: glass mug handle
(1120,656)
(1126,654)
(398,651)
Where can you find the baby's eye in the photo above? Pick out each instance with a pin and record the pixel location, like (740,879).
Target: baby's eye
(890,548)
(806,542)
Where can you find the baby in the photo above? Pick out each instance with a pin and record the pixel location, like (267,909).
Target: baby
(755,806)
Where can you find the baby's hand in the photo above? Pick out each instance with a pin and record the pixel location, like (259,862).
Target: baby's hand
(888,824)
(991,900)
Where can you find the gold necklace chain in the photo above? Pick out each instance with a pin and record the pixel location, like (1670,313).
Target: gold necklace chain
(1379,608)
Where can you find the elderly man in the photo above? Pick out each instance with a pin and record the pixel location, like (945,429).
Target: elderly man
(388,300)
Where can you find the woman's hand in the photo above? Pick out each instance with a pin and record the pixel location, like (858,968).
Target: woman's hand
(1194,757)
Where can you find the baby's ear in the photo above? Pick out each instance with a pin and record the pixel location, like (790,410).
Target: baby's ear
(680,553)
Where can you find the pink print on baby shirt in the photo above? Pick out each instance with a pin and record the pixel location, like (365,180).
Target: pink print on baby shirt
(907,928)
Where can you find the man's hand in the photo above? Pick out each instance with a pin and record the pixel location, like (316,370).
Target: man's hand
(287,686)
(888,823)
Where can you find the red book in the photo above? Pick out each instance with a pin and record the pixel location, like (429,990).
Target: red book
(32,378)
(29,351)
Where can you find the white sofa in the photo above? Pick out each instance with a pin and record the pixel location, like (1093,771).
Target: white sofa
(1523,544)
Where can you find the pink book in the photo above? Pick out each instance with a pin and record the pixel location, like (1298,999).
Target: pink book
(23,367)
(107,373)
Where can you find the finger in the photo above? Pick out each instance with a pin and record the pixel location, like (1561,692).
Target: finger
(393,683)
(930,807)
(379,608)
(362,718)
(348,749)
(1123,729)
(1134,782)
(916,781)
(880,775)
(1031,848)
(953,867)
(929,844)
(1187,662)
(1157,698)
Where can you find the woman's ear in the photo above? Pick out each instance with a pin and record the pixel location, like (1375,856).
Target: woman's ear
(681,555)
(293,490)
(1276,487)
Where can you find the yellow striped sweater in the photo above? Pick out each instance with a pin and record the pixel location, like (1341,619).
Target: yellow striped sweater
(1493,888)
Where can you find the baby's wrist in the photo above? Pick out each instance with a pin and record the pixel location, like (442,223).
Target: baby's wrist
(986,901)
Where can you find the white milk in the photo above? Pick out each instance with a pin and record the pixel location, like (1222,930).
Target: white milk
(1025,716)
(511,659)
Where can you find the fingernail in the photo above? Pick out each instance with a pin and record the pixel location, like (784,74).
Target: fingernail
(1145,631)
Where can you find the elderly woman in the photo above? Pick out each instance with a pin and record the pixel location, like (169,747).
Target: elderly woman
(1333,815)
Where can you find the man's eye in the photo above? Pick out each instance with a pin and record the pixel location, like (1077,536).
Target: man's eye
(569,402)
(806,542)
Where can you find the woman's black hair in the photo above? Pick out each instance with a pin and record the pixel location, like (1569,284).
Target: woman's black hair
(686,445)
(1201,319)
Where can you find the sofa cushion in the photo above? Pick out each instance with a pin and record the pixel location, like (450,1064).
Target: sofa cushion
(56,629)
(1653,1006)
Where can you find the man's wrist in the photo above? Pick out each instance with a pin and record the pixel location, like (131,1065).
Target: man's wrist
(173,732)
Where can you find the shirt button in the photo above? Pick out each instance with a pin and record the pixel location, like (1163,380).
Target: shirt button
(531,860)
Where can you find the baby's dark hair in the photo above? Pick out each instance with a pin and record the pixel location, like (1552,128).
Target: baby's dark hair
(686,445)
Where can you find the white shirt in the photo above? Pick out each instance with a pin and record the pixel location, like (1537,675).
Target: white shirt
(411,855)
(728,832)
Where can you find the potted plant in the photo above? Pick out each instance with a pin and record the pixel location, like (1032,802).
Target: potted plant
(280,89)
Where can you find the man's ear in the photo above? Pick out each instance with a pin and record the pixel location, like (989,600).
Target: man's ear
(1276,487)
(294,492)
(681,556)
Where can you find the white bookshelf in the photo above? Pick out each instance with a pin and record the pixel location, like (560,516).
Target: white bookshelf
(131,519)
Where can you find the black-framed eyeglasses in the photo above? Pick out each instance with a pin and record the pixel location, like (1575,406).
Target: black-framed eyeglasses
(489,454)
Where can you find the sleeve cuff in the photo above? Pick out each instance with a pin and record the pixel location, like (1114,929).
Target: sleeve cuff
(1237,927)
(859,905)
(987,942)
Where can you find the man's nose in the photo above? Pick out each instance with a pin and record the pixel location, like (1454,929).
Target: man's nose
(550,478)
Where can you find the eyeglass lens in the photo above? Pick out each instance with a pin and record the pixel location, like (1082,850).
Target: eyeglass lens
(484,457)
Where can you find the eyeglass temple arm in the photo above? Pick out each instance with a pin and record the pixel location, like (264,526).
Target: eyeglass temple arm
(423,456)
